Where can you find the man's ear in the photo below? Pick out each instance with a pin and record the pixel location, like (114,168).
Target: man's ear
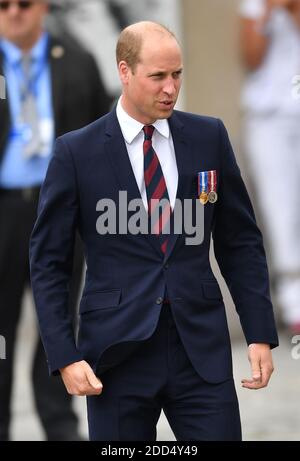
(124,72)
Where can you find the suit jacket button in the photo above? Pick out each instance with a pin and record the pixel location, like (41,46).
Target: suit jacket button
(159,300)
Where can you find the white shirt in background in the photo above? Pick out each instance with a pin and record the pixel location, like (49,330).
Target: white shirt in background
(268,89)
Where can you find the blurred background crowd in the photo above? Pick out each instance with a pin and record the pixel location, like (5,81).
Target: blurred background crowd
(241,64)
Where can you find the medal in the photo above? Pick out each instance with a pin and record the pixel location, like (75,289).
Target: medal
(203,198)
(212,196)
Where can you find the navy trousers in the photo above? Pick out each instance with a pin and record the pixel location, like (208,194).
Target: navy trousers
(159,375)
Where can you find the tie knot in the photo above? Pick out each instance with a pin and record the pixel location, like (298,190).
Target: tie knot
(148,131)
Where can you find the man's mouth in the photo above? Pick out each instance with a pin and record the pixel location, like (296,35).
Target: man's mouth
(167,103)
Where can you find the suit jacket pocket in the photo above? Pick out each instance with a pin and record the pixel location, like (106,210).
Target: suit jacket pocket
(100,300)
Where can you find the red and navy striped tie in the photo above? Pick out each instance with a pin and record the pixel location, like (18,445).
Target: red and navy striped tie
(156,188)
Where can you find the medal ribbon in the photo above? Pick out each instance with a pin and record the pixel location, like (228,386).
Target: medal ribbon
(202,182)
(212,181)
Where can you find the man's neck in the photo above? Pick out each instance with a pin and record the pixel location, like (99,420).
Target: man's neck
(26,44)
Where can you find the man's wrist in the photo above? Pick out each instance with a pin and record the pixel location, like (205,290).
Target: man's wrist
(259,344)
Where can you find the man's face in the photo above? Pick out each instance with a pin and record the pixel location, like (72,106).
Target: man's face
(21,20)
(150,91)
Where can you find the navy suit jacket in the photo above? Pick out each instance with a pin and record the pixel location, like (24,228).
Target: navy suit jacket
(127,275)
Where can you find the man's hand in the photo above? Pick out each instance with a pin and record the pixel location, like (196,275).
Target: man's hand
(260,358)
(80,379)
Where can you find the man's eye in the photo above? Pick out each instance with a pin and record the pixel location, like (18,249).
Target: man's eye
(177,74)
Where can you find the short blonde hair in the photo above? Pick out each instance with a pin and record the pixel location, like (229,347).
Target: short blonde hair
(131,39)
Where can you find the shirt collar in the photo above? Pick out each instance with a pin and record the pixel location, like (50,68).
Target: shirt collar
(13,54)
(131,127)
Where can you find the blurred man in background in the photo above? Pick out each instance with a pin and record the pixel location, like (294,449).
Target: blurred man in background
(271,50)
(52,88)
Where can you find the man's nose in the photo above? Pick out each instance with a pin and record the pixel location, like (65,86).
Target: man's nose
(13,9)
(170,87)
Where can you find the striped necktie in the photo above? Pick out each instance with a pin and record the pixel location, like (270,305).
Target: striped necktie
(156,190)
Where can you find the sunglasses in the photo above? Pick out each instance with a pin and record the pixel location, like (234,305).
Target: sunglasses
(22,4)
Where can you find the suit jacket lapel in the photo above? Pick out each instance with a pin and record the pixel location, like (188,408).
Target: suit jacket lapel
(121,165)
(4,116)
(119,159)
(181,147)
(56,53)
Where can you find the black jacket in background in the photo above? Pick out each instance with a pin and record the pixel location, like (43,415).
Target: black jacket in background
(78,94)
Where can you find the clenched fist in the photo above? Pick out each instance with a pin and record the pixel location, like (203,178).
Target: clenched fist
(80,379)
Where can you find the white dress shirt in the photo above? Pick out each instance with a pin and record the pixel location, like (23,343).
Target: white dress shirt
(268,89)
(162,142)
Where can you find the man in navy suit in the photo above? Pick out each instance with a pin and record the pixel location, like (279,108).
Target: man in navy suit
(153,332)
